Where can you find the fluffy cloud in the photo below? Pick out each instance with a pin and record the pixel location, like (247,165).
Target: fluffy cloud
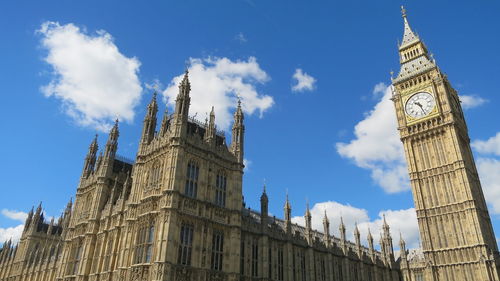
(95,82)
(377,146)
(489,173)
(15,232)
(218,82)
(303,81)
(471,101)
(489,146)
(15,215)
(404,221)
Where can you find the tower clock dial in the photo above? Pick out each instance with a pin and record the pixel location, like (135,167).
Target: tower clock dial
(420,105)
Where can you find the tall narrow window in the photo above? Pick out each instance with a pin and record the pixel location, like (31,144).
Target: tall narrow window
(77,258)
(419,276)
(270,265)
(280,263)
(192,180)
(186,245)
(107,258)
(217,250)
(155,175)
(322,273)
(144,244)
(220,189)
(149,243)
(303,265)
(255,258)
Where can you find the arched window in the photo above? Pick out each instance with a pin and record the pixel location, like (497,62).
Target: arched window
(107,257)
(155,175)
(77,255)
(217,250)
(220,189)
(185,245)
(144,244)
(192,180)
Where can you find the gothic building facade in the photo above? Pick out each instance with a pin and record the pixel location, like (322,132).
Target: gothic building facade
(177,213)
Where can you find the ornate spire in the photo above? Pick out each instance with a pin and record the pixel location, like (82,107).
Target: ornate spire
(164,123)
(90,159)
(288,209)
(342,227)
(307,216)
(409,36)
(326,229)
(182,106)
(210,130)
(264,202)
(112,143)
(238,132)
(149,127)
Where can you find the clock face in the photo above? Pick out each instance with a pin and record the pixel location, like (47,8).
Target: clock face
(420,105)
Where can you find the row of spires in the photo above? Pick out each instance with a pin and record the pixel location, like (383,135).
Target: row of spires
(385,236)
(34,219)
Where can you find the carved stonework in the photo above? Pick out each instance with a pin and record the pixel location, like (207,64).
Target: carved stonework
(183,274)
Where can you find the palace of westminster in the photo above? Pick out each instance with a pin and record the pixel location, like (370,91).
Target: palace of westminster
(177,212)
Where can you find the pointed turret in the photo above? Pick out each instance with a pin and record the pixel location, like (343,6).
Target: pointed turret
(28,220)
(413,54)
(164,123)
(402,246)
(326,229)
(343,240)
(342,229)
(238,133)
(264,204)
(386,240)
(112,143)
(182,105)
(370,244)
(288,214)
(357,235)
(51,226)
(210,130)
(307,216)
(409,36)
(90,159)
(149,127)
(357,239)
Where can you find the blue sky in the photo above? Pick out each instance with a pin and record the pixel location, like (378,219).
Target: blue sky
(309,72)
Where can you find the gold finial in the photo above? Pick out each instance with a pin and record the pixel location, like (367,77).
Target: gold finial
(403,11)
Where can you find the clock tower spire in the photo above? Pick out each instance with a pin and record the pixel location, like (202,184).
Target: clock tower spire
(457,236)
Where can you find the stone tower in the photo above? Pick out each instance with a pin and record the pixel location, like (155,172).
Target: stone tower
(457,236)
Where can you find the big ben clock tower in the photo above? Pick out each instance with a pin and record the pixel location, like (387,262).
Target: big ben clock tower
(458,242)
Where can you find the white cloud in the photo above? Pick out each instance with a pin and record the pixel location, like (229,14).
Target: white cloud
(379,90)
(399,220)
(217,82)
(489,146)
(247,163)
(13,233)
(15,215)
(471,101)
(94,81)
(489,173)
(377,146)
(241,37)
(304,81)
